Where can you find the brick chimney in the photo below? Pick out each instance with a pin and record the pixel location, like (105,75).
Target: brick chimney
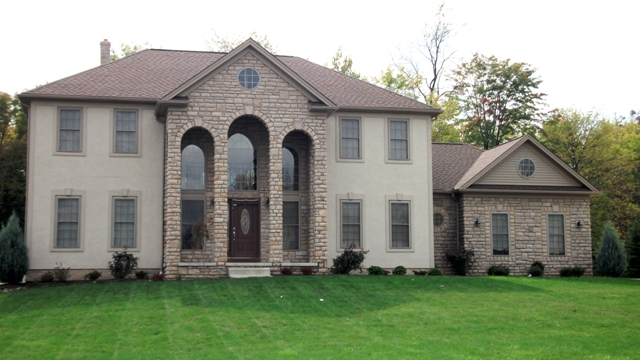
(105,52)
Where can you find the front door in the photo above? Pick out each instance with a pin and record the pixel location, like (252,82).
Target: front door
(244,230)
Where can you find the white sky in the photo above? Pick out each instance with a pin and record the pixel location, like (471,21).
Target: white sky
(586,52)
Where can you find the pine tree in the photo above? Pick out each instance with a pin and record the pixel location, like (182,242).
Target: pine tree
(13,252)
(611,258)
(632,245)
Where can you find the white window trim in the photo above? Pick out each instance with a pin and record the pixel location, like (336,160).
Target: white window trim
(350,197)
(125,194)
(509,238)
(564,229)
(67,194)
(238,78)
(83,132)
(299,224)
(112,150)
(387,142)
(339,157)
(399,198)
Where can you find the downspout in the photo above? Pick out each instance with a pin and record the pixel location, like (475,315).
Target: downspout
(455,200)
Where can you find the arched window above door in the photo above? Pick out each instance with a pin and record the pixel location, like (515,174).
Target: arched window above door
(290,170)
(192,168)
(241,163)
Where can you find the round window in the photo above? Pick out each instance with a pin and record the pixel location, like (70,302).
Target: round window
(526,168)
(438,219)
(248,78)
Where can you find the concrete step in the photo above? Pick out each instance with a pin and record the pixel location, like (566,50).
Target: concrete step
(246,272)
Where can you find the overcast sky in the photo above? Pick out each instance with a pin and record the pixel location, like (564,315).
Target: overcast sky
(586,52)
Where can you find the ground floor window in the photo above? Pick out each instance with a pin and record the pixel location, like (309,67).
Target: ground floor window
(124,223)
(291,225)
(67,222)
(351,224)
(500,233)
(192,214)
(400,228)
(555,231)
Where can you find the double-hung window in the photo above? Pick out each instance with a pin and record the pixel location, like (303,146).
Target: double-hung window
(126,128)
(70,130)
(500,234)
(124,223)
(555,231)
(67,222)
(400,225)
(398,140)
(350,134)
(351,224)
(291,225)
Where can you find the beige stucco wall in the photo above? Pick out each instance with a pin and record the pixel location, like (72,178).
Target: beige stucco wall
(375,181)
(96,175)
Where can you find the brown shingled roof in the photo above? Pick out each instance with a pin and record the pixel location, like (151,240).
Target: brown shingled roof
(152,74)
(450,162)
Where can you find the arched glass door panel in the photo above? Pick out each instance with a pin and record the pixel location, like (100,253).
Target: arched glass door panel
(241,163)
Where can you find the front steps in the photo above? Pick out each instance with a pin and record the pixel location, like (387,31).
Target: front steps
(247,270)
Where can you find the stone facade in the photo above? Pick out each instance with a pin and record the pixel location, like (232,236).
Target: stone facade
(268,113)
(445,235)
(528,239)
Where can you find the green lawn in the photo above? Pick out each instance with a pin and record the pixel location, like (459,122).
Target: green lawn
(393,317)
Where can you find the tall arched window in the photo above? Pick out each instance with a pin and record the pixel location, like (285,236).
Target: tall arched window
(242,163)
(290,170)
(193,186)
(192,168)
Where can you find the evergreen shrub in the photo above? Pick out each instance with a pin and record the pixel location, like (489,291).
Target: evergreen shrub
(611,259)
(349,260)
(14,262)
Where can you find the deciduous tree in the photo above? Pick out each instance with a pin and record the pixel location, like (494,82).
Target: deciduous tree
(225,44)
(344,64)
(632,246)
(498,99)
(128,49)
(13,157)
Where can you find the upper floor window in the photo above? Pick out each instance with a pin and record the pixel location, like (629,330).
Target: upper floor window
(398,140)
(248,78)
(126,140)
(70,130)
(290,170)
(192,168)
(241,163)
(350,145)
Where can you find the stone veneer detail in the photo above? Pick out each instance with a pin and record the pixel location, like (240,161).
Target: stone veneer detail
(214,106)
(444,236)
(528,240)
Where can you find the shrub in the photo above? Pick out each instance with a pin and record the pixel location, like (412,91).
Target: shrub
(286,271)
(377,270)
(307,270)
(435,272)
(420,272)
(611,258)
(122,264)
(47,277)
(632,246)
(538,264)
(535,271)
(569,271)
(498,270)
(92,276)
(14,262)
(400,270)
(347,261)
(142,275)
(460,261)
(159,276)
(61,274)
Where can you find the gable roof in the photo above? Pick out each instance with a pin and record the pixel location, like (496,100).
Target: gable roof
(153,75)
(461,165)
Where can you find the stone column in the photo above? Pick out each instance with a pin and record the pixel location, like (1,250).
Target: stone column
(172,174)
(318,204)
(220,205)
(275,201)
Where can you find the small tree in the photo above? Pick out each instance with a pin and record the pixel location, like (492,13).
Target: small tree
(611,258)
(14,262)
(122,264)
(632,245)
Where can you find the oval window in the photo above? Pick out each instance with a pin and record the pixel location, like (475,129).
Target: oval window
(248,78)
(526,168)
(245,221)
